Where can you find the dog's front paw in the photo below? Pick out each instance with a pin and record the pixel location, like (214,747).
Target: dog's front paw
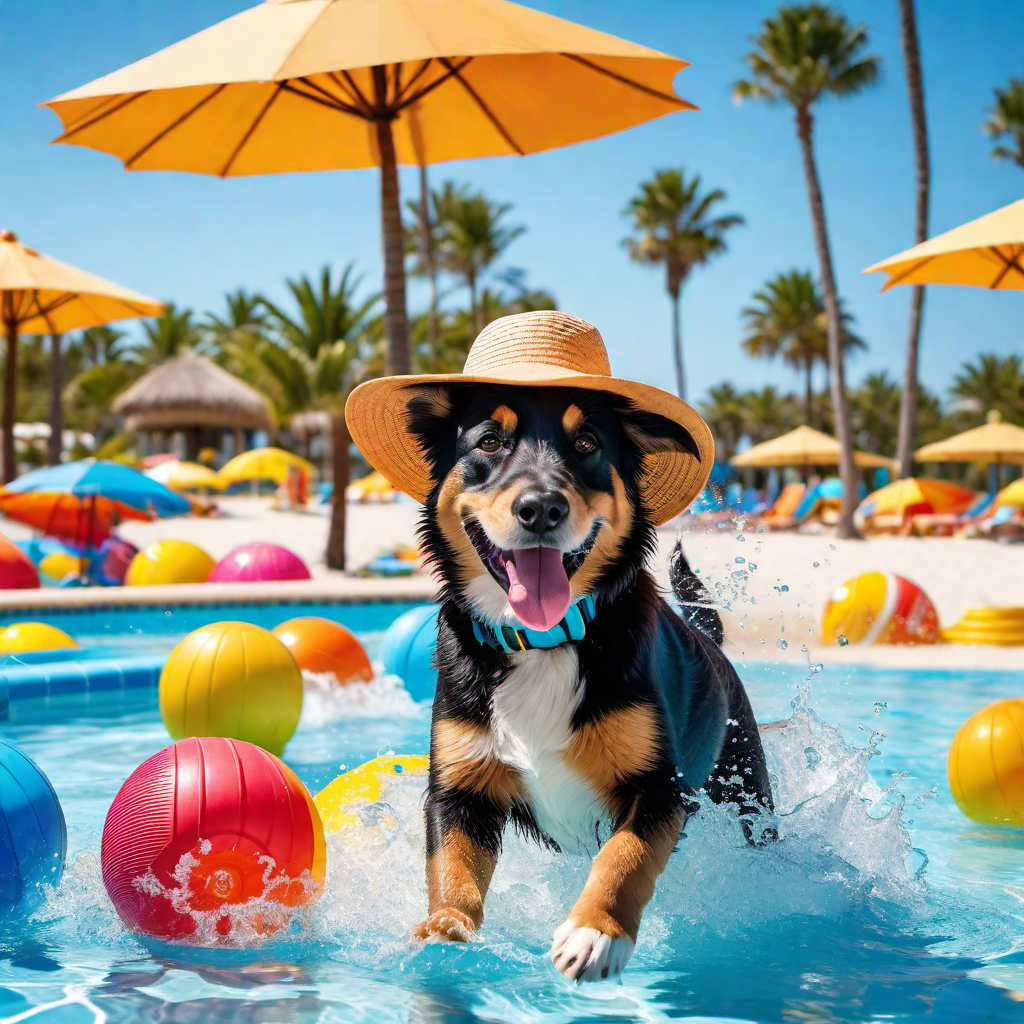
(447,924)
(586,954)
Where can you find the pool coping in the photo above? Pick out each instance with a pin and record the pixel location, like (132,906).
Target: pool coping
(340,590)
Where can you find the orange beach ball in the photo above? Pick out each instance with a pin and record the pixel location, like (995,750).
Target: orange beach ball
(324,646)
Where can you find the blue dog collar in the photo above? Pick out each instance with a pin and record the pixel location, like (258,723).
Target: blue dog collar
(506,638)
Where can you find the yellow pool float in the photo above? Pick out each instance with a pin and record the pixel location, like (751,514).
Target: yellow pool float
(993,625)
(340,802)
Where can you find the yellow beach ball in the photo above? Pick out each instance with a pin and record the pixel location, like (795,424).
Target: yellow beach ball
(232,679)
(340,802)
(58,564)
(168,562)
(986,764)
(24,637)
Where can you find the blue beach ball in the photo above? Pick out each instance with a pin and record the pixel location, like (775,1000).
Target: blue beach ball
(33,836)
(407,650)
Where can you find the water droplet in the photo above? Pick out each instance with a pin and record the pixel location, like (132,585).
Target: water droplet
(815,667)
(740,537)
(831,547)
(813,757)
(399,769)
(168,614)
(781,644)
(740,574)
(815,565)
(740,559)
(753,566)
(841,640)
(880,706)
(783,589)
(763,640)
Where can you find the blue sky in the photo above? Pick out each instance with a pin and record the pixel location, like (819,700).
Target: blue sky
(189,239)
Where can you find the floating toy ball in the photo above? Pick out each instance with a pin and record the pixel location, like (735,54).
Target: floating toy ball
(211,839)
(407,650)
(993,625)
(258,563)
(23,637)
(232,679)
(323,646)
(986,764)
(17,571)
(343,803)
(169,562)
(59,564)
(33,836)
(880,608)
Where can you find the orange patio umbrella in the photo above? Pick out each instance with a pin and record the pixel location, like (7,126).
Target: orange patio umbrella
(83,520)
(40,295)
(313,85)
(987,253)
(917,495)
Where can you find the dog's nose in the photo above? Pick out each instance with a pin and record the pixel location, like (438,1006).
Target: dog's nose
(539,511)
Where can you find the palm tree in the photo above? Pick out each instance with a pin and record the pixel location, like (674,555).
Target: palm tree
(805,52)
(166,335)
(674,226)
(875,412)
(724,412)
(471,238)
(1005,121)
(915,88)
(55,445)
(788,319)
(768,413)
(101,364)
(315,354)
(244,311)
(992,382)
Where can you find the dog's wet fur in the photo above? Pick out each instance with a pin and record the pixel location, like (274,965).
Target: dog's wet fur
(601,745)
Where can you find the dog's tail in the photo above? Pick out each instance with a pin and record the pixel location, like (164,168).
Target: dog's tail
(695,599)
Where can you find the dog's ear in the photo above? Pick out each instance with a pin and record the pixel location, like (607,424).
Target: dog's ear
(651,433)
(430,420)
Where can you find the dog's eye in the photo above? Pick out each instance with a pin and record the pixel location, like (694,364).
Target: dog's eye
(489,443)
(585,444)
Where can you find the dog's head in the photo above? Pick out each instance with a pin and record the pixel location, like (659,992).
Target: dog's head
(536,496)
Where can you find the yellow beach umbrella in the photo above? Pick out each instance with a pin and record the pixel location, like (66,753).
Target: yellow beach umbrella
(1011,494)
(804,446)
(186,476)
(40,295)
(313,85)
(995,442)
(987,253)
(917,494)
(373,485)
(264,463)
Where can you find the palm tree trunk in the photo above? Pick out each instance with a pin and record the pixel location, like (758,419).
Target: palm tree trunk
(427,255)
(335,556)
(55,446)
(915,87)
(677,342)
(840,405)
(474,302)
(396,322)
(10,398)
(808,391)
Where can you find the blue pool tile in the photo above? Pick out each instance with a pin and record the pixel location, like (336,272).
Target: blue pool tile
(65,678)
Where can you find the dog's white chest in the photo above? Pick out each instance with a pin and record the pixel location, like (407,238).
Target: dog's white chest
(531,722)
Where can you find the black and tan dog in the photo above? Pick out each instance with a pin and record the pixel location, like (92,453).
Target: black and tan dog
(572,701)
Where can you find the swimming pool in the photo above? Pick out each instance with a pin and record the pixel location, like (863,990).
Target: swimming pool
(882,902)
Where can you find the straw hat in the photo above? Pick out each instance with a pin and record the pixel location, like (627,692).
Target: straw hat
(541,349)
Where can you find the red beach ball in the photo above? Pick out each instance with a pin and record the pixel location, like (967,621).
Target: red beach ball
(17,571)
(211,839)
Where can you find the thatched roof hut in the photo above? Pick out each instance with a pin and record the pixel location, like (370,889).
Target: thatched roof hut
(190,393)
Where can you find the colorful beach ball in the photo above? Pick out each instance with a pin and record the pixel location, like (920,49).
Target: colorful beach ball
(33,836)
(325,647)
(212,840)
(986,764)
(880,608)
(232,679)
(259,562)
(169,562)
(25,637)
(407,650)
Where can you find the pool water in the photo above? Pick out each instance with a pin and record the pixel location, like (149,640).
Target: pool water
(881,901)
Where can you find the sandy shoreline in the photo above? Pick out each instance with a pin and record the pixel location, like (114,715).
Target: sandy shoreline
(773,586)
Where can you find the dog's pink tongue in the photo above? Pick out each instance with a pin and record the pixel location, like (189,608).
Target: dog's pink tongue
(538,587)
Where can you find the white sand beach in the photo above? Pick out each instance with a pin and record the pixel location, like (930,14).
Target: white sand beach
(776,593)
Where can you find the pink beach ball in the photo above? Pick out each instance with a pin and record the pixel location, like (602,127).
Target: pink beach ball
(259,562)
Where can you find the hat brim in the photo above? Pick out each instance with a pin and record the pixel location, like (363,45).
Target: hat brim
(377,416)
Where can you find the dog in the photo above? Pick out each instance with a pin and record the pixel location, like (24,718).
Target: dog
(573,703)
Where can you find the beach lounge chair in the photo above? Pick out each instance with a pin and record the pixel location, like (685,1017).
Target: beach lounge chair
(785,508)
(946,524)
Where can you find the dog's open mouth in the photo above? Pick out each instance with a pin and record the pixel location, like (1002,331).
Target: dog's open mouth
(536,579)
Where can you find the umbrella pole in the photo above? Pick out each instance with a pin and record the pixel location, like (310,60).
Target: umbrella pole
(10,398)
(396,322)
